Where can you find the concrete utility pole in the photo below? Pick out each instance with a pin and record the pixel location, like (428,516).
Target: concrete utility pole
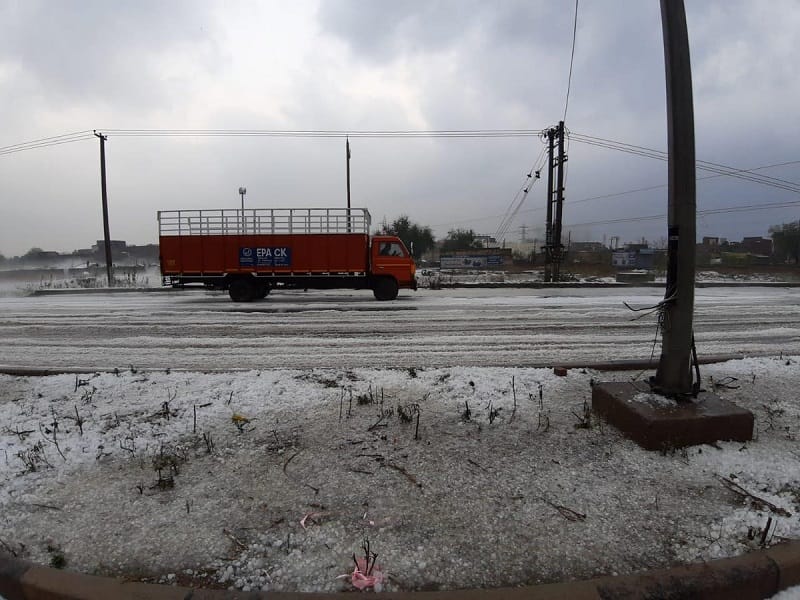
(548,232)
(555,202)
(559,202)
(104,194)
(674,375)
(707,418)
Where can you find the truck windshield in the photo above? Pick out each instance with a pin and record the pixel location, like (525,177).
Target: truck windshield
(390,249)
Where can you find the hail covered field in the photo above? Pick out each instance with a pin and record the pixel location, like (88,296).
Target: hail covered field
(429,328)
(264,446)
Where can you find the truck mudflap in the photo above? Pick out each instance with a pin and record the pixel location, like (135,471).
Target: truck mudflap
(414,284)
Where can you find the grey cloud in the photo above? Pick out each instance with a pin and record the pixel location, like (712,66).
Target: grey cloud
(510,57)
(379,31)
(383,31)
(98,51)
(470,64)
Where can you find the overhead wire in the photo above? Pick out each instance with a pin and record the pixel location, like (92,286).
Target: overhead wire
(711,211)
(720,169)
(317,134)
(66,138)
(514,209)
(571,61)
(46,139)
(564,136)
(663,154)
(519,198)
(663,185)
(631,191)
(328,133)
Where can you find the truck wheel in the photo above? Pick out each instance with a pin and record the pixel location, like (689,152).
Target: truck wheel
(241,290)
(385,288)
(262,290)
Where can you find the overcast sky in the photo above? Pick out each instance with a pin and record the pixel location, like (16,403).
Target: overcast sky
(352,65)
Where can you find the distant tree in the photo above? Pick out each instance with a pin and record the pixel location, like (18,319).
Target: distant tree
(2,259)
(786,241)
(460,239)
(417,238)
(35,251)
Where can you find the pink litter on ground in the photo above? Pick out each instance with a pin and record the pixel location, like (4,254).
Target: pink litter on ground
(309,518)
(361,580)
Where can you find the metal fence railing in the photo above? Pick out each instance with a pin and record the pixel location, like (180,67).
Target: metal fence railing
(235,221)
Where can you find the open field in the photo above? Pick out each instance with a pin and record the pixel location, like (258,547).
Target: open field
(273,479)
(421,425)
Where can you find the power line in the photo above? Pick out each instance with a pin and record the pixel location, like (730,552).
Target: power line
(710,211)
(516,204)
(641,189)
(45,143)
(55,137)
(398,133)
(662,155)
(571,60)
(313,134)
(702,165)
(663,185)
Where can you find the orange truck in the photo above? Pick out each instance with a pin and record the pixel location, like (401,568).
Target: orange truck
(249,252)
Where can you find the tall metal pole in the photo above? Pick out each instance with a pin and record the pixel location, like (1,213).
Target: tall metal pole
(347,153)
(104,194)
(242,220)
(674,376)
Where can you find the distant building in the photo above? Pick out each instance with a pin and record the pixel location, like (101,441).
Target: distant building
(487,241)
(634,256)
(586,247)
(757,245)
(144,252)
(42,255)
(116,246)
(719,251)
(121,252)
(587,253)
(477,258)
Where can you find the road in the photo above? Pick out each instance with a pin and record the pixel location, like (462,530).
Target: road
(294,329)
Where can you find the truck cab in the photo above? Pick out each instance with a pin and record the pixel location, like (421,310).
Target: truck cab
(392,267)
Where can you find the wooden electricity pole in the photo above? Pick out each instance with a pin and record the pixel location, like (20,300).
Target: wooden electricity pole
(674,375)
(104,194)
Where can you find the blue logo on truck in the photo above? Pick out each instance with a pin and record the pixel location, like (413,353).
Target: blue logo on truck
(274,256)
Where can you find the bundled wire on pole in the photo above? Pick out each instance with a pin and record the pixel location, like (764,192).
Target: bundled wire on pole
(521,195)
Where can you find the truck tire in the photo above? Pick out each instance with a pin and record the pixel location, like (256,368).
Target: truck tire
(241,290)
(262,290)
(385,288)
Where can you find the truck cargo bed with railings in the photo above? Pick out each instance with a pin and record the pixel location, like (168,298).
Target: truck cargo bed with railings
(304,242)
(250,251)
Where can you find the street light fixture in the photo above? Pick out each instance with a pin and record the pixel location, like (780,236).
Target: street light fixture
(242,192)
